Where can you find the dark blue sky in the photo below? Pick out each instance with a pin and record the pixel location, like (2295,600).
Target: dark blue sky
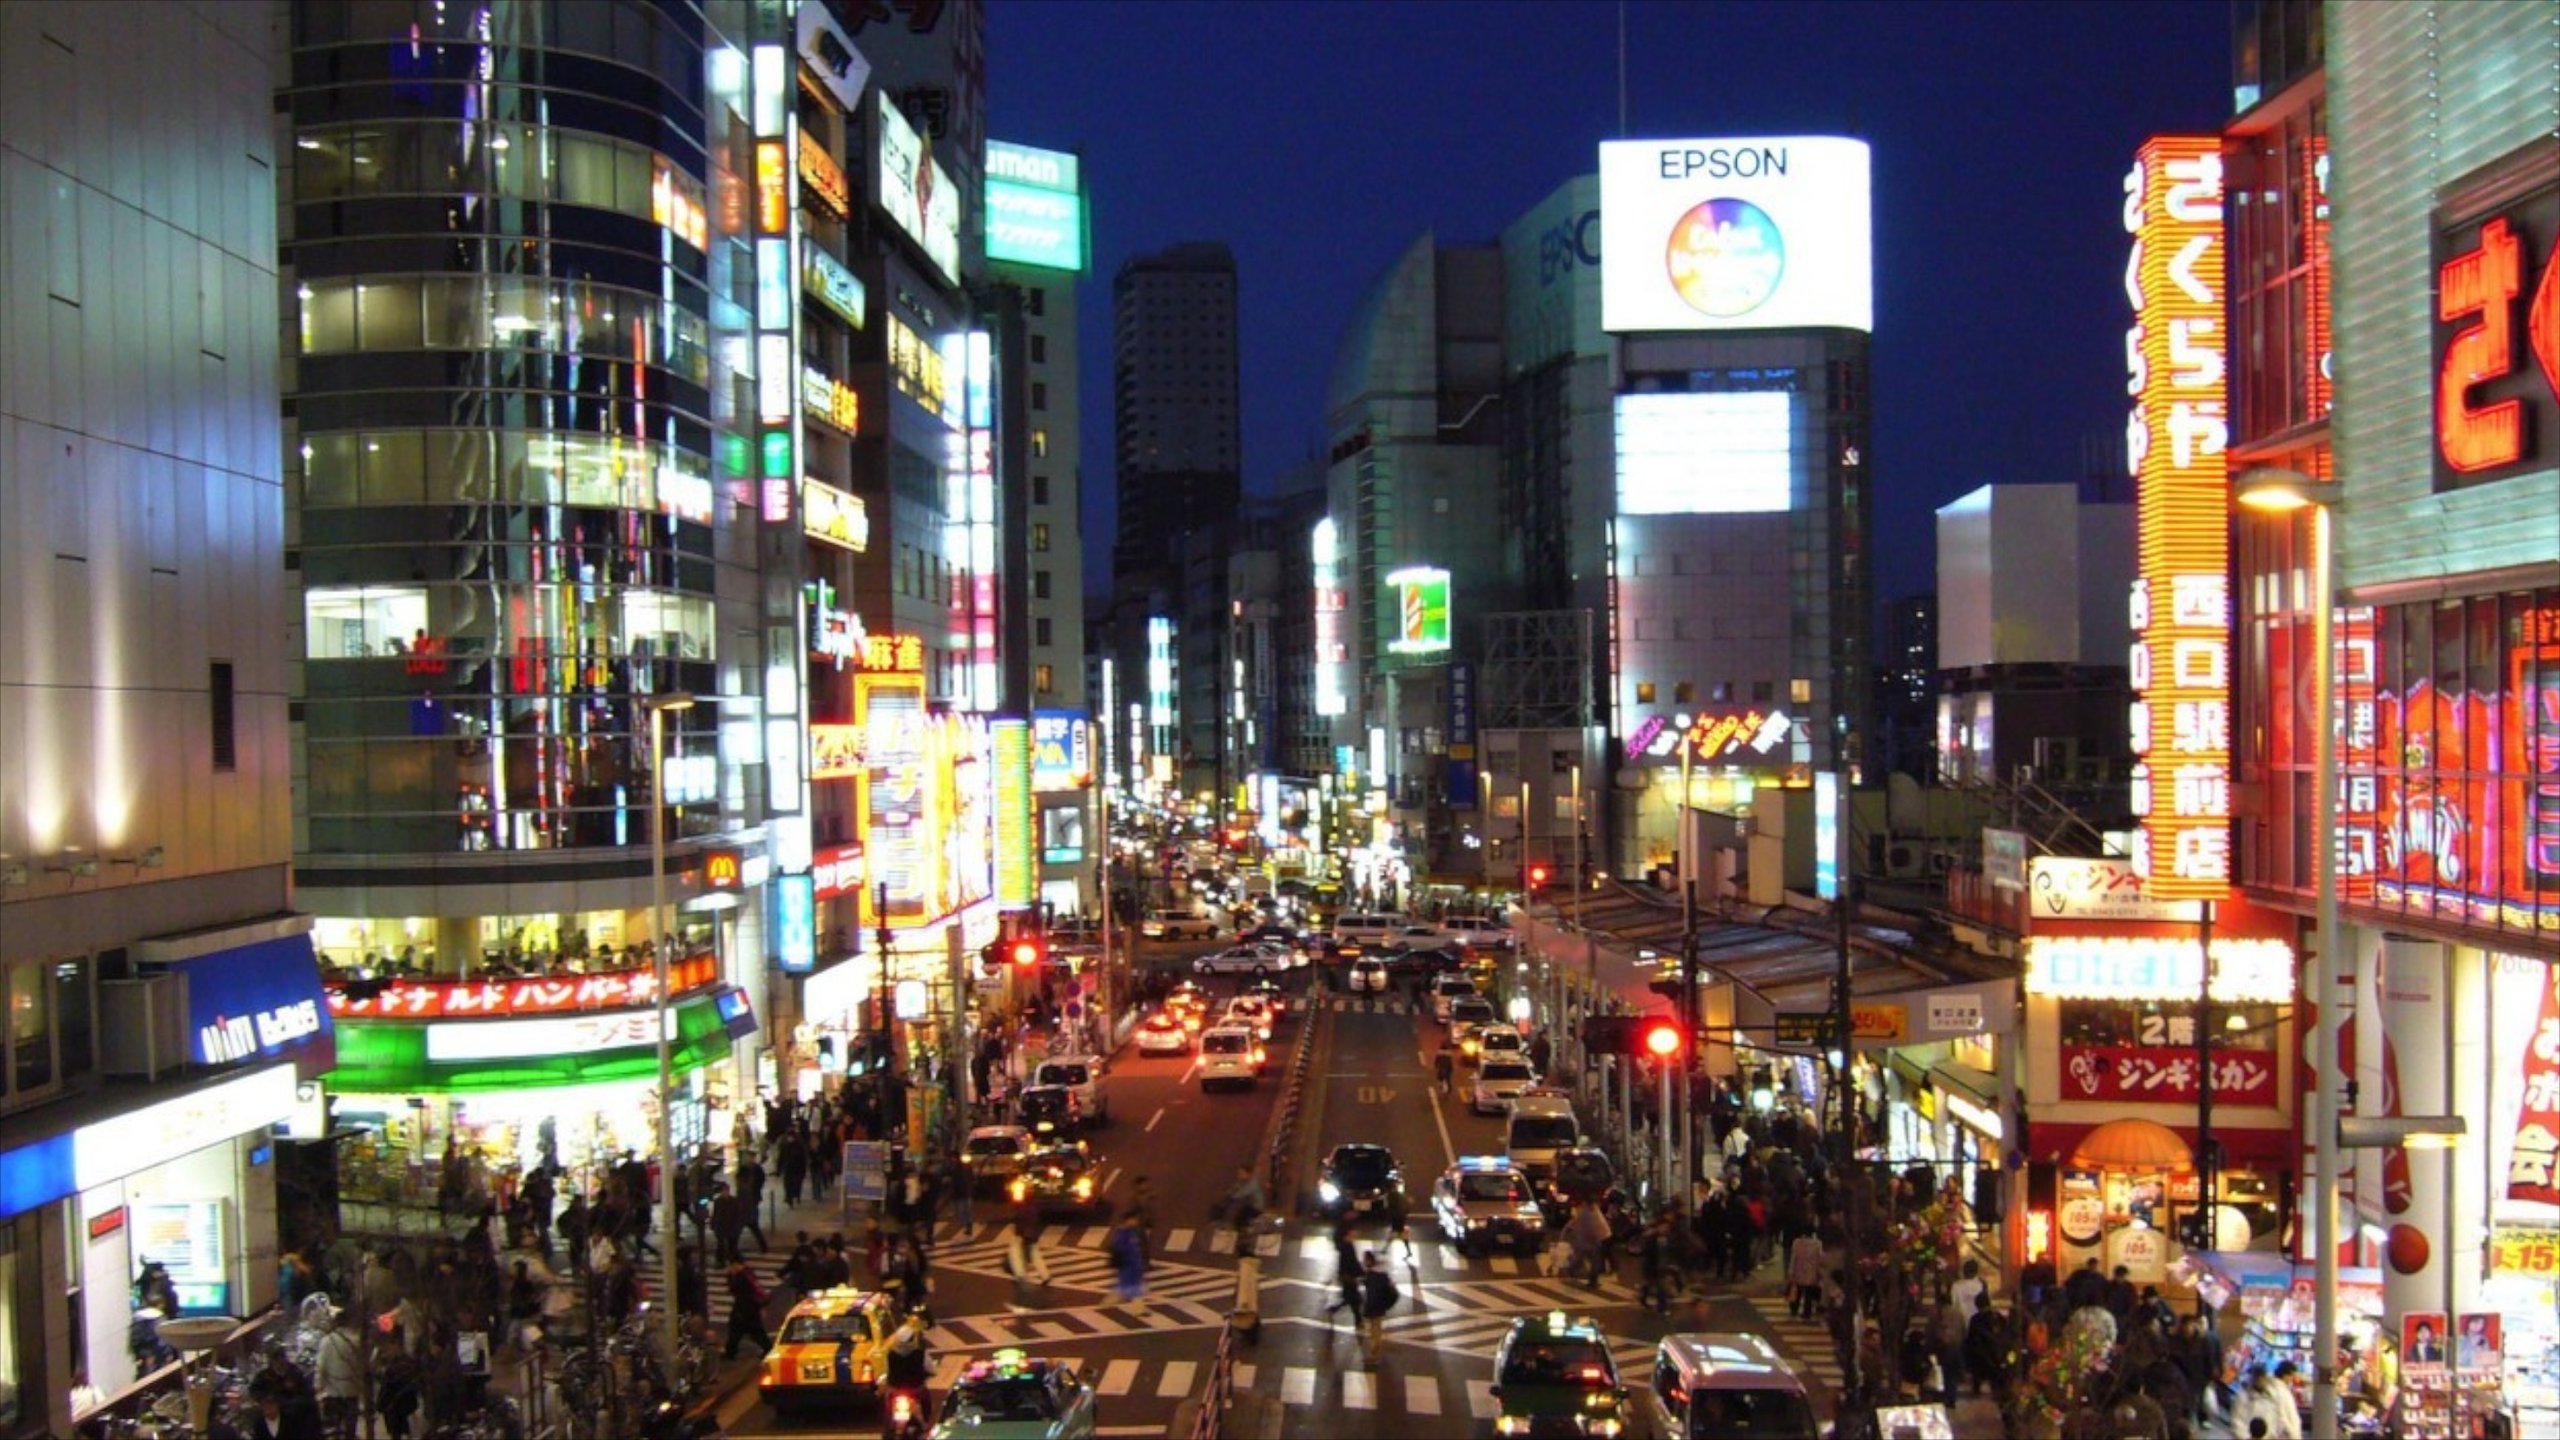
(1318,139)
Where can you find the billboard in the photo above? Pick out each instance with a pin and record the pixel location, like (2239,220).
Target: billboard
(917,193)
(1720,453)
(2181,602)
(1017,882)
(1061,751)
(1422,610)
(1331,603)
(1746,234)
(1035,207)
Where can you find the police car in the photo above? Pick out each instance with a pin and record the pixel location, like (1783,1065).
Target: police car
(1484,1201)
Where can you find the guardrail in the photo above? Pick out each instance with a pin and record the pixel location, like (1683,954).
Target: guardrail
(1221,1389)
(1293,1086)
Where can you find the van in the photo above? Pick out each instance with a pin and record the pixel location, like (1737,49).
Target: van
(1229,1055)
(1722,1385)
(1366,930)
(1445,991)
(1540,1125)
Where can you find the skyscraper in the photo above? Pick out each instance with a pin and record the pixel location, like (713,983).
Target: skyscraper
(1175,407)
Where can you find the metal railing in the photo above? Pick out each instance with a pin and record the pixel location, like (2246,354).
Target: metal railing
(1221,1388)
(1293,1086)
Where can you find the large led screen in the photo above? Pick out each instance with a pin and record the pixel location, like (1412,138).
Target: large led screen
(1759,234)
(1718,453)
(917,192)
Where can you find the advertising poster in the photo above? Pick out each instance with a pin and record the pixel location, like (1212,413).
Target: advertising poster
(2422,1343)
(2478,1342)
(186,1237)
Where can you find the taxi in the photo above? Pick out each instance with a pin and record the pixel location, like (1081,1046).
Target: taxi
(1059,1180)
(993,1155)
(1189,1004)
(832,1349)
(1010,1396)
(1553,1375)
(1164,1033)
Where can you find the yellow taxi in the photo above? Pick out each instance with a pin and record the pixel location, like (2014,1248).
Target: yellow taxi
(832,1347)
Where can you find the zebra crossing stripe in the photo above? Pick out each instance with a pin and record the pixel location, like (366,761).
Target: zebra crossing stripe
(1222,1241)
(1267,1246)
(1315,1247)
(1243,1377)
(1504,1264)
(1117,1377)
(1176,1381)
(947,1374)
(1179,1239)
(1480,1399)
(1359,1390)
(1298,1386)
(1052,1330)
(1421,1395)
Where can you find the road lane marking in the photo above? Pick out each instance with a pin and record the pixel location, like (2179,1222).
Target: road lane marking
(1315,1247)
(1244,1375)
(1052,1330)
(1112,1174)
(1222,1241)
(1446,1149)
(1480,1399)
(1178,1239)
(948,1372)
(1176,1381)
(1159,1116)
(1268,1246)
(1117,1377)
(1359,1390)
(1504,1264)
(1422,1394)
(1298,1385)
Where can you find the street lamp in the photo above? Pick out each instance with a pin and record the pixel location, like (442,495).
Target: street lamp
(656,708)
(2280,491)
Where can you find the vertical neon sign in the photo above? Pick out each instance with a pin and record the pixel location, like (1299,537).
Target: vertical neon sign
(2181,601)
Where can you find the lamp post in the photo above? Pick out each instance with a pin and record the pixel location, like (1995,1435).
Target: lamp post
(657,707)
(2280,491)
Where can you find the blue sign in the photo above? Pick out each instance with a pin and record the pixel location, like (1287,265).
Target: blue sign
(255,1001)
(737,1015)
(795,923)
(1061,751)
(866,1170)
(1462,735)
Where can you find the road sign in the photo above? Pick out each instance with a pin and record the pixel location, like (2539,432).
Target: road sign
(866,1170)
(1812,1028)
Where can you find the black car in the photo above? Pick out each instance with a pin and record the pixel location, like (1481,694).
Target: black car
(1361,1180)
(1049,1112)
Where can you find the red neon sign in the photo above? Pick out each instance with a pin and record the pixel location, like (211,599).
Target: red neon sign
(2492,419)
(509,999)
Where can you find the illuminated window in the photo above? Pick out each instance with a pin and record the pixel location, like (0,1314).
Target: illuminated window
(1644,692)
(1800,692)
(1040,538)
(1684,692)
(1039,444)
(1041,676)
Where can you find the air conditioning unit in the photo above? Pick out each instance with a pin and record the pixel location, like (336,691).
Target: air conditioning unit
(142,1027)
(1905,859)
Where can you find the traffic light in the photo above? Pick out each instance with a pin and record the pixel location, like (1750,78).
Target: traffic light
(1538,873)
(1025,952)
(1660,1037)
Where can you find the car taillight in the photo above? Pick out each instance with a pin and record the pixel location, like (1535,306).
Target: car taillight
(902,1408)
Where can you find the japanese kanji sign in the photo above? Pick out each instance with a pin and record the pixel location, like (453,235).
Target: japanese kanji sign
(2136,1073)
(2531,1173)
(501,998)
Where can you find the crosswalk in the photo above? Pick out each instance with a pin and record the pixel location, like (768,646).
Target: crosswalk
(1390,1004)
(964,1334)
(1077,1261)
(1806,1343)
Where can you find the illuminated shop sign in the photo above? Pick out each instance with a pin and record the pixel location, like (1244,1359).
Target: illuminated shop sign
(834,635)
(2061,887)
(723,869)
(773,188)
(564,1035)
(1744,234)
(2135,1074)
(829,514)
(823,179)
(2181,603)
(1061,751)
(684,496)
(773,286)
(550,995)
(1422,610)
(1331,652)
(835,751)
(916,192)
(2497,340)
(1017,876)
(2114,967)
(1160,671)
(831,57)
(893,654)
(1035,207)
(773,377)
(831,400)
(836,870)
(795,924)
(916,367)
(832,285)
(676,203)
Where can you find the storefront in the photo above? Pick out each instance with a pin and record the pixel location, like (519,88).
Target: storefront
(460,1089)
(2263,1303)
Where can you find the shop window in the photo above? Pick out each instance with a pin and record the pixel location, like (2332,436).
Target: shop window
(1043,678)
(355,622)
(587,167)
(225,722)
(30,1029)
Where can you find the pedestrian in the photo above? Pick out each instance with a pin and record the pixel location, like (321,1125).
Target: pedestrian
(1443,1069)
(1377,1296)
(337,1370)
(747,1297)
(1656,1291)
(1986,1348)
(1804,1276)
(795,1168)
(726,1222)
(1024,1262)
(1346,1273)
(751,1197)
(281,1414)
(1244,1205)
(1587,1233)
(1128,1250)
(525,1296)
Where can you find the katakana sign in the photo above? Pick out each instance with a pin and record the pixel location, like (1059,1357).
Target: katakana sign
(509,999)
(2138,1074)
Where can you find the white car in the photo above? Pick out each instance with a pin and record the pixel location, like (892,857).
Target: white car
(1500,1042)
(1252,1012)
(1163,1033)
(1082,1078)
(1369,973)
(1447,990)
(1259,958)
(1229,1055)
(1178,925)
(1498,1082)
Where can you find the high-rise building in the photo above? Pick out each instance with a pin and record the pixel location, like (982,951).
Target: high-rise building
(1176,406)
(163,1004)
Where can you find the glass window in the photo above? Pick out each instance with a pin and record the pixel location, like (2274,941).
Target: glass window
(352,622)
(634,168)
(395,468)
(328,317)
(30,1028)
(320,164)
(329,467)
(587,164)
(387,315)
(457,465)
(453,314)
(587,27)
(71,1001)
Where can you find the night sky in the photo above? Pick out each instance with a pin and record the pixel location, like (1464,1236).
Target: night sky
(1318,140)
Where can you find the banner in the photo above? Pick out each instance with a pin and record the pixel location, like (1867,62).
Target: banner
(2530,1170)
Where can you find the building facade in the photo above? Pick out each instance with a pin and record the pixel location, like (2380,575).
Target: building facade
(1176,403)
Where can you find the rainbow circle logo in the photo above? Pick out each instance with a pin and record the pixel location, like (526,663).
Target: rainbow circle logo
(1725,257)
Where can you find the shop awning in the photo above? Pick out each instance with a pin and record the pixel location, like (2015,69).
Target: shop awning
(2132,1145)
(2244,1147)
(452,1057)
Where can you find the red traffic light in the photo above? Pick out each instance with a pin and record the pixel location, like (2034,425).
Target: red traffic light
(1662,1038)
(1537,876)
(1026,952)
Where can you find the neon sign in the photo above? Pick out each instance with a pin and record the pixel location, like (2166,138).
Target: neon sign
(831,400)
(825,179)
(893,654)
(551,995)
(829,514)
(1422,610)
(835,752)
(2181,602)
(773,189)
(2138,967)
(834,634)
(2492,419)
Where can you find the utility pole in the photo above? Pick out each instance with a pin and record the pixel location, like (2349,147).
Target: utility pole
(2207,1172)
(882,1045)
(1852,1184)
(1108,991)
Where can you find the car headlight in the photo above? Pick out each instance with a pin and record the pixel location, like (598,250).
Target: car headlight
(1019,1188)
(1511,1424)
(1328,1191)
(1084,1187)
